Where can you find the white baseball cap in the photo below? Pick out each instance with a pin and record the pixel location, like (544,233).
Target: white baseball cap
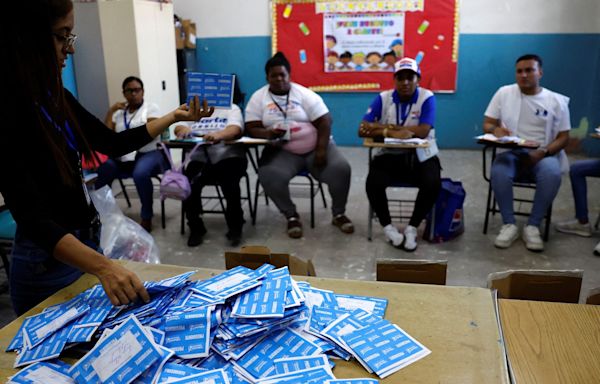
(407,63)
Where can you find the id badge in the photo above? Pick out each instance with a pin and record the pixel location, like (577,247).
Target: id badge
(285,126)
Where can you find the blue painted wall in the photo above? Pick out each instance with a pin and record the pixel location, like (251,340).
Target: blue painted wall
(486,61)
(68,76)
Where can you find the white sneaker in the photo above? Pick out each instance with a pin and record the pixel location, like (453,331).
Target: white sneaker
(597,250)
(574,227)
(394,237)
(532,238)
(410,238)
(508,234)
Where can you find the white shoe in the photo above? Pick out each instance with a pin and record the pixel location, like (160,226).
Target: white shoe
(532,238)
(394,237)
(508,234)
(410,238)
(574,227)
(597,250)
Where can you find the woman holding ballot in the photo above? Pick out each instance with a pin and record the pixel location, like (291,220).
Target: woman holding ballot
(298,119)
(221,163)
(47,132)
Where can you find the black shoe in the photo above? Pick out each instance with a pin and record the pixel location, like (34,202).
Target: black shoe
(235,238)
(197,233)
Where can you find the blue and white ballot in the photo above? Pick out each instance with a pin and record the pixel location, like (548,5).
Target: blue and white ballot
(228,283)
(316,297)
(258,362)
(352,381)
(293,364)
(216,376)
(374,305)
(216,88)
(266,300)
(51,321)
(120,357)
(384,347)
(173,371)
(316,375)
(49,348)
(188,333)
(47,373)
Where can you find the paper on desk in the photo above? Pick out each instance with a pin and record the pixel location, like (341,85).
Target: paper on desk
(230,282)
(319,297)
(414,140)
(119,358)
(293,364)
(187,334)
(266,300)
(307,376)
(251,140)
(216,376)
(173,371)
(47,373)
(52,321)
(373,305)
(47,349)
(352,381)
(504,139)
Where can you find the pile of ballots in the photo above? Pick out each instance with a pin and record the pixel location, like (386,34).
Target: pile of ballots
(241,326)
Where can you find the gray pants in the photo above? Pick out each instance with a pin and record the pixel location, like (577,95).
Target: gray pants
(278,167)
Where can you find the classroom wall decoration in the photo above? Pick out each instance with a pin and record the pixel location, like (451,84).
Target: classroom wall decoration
(351,45)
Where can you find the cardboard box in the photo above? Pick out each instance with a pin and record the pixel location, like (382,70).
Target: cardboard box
(412,271)
(540,285)
(253,256)
(179,37)
(189,30)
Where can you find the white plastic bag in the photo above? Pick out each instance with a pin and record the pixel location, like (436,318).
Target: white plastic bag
(121,237)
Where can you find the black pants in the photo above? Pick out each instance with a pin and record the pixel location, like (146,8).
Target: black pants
(387,169)
(227,174)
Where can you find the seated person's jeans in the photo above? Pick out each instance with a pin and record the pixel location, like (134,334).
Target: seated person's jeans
(35,275)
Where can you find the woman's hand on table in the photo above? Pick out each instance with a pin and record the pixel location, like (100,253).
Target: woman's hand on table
(183,131)
(120,284)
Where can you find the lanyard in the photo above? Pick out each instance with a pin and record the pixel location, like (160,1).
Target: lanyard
(128,123)
(67,132)
(402,112)
(287,103)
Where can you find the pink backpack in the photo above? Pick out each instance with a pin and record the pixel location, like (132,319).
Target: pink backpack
(174,183)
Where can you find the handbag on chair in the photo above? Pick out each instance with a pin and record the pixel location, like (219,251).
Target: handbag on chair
(448,221)
(174,184)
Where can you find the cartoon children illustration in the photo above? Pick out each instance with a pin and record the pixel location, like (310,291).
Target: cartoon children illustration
(345,60)
(373,59)
(330,42)
(332,59)
(359,61)
(389,59)
(397,46)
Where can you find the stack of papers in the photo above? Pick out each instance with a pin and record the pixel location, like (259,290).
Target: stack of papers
(241,326)
(504,139)
(413,141)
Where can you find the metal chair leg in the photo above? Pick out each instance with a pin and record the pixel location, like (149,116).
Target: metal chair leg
(312,201)
(249,197)
(370,224)
(322,195)
(487,209)
(124,192)
(548,220)
(597,222)
(162,214)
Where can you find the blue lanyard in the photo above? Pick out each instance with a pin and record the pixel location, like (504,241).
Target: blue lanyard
(67,132)
(128,123)
(403,112)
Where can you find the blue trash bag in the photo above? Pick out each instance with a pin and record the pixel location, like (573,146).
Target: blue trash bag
(449,219)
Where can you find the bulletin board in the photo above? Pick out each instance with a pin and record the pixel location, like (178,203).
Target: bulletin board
(311,32)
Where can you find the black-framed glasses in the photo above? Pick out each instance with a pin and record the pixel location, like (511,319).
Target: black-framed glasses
(68,40)
(131,91)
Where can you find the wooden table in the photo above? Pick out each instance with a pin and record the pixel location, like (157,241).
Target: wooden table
(457,324)
(550,343)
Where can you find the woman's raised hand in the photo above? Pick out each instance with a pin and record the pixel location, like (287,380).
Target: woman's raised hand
(194,111)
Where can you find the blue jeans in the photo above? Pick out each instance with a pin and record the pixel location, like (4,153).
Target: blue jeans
(36,275)
(579,171)
(508,167)
(145,166)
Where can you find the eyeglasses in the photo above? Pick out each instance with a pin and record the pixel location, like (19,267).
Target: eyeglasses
(131,91)
(67,41)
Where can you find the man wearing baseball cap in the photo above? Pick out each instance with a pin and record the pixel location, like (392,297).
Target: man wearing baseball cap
(404,112)
(527,110)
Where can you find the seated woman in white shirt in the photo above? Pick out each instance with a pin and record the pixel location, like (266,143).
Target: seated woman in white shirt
(299,118)
(142,164)
(226,165)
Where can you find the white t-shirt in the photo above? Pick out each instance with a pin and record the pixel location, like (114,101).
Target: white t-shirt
(532,118)
(301,108)
(123,118)
(220,119)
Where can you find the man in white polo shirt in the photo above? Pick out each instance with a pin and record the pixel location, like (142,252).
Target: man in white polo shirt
(531,112)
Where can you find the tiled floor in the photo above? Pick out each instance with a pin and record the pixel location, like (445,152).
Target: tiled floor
(471,257)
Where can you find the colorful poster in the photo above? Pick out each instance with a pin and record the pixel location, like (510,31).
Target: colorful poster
(428,30)
(363,42)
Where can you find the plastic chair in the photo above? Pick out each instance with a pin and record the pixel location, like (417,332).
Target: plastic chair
(538,285)
(491,206)
(412,271)
(162,203)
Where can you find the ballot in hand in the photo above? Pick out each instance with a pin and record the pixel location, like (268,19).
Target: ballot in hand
(283,129)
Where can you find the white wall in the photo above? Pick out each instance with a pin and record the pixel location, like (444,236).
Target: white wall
(233,18)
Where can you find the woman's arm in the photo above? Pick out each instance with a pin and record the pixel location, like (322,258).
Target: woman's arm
(323,126)
(231,132)
(120,284)
(108,119)
(256,129)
